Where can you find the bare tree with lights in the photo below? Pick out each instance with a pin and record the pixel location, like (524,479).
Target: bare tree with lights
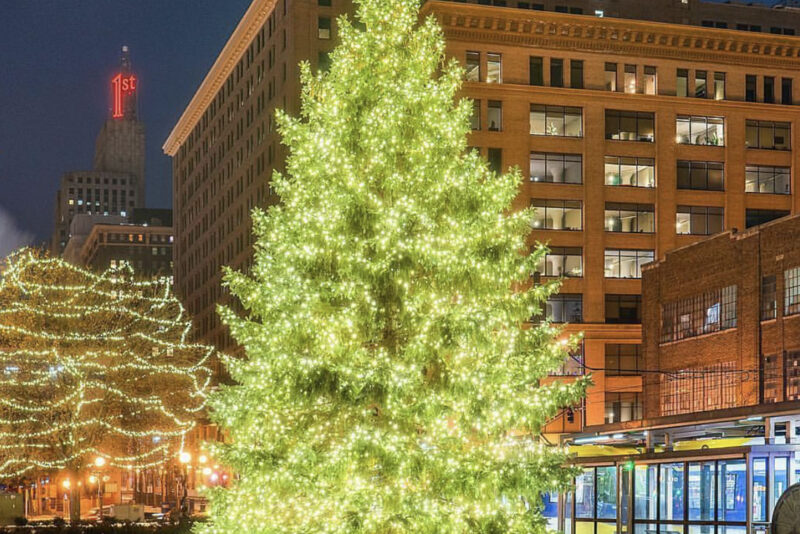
(93,366)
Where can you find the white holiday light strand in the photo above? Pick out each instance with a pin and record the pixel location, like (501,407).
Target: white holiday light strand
(90,364)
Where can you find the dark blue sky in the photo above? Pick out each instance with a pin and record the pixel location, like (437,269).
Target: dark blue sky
(56,62)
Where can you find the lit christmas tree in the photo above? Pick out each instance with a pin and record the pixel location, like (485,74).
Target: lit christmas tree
(93,366)
(390,384)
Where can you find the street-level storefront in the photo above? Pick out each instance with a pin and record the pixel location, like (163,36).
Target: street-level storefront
(729,490)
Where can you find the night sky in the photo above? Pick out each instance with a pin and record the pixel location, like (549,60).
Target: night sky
(56,62)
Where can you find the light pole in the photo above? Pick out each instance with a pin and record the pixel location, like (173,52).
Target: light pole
(99,463)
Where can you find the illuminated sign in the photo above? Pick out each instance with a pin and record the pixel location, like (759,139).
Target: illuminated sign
(122,86)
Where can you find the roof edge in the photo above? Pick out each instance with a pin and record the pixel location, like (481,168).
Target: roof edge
(226,61)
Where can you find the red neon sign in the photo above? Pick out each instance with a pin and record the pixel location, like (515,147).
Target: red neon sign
(122,86)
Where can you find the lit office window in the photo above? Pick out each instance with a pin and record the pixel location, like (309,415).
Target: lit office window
(700,130)
(626,263)
(650,80)
(630,171)
(556,121)
(698,220)
(473,70)
(630,218)
(611,76)
(762,179)
(557,214)
(768,135)
(494,68)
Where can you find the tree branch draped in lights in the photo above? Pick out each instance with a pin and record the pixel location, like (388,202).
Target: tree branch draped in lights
(93,365)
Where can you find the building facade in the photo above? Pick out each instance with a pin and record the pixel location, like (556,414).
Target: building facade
(719,440)
(144,241)
(116,184)
(635,138)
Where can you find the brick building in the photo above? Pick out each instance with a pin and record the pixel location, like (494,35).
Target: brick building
(719,441)
(635,138)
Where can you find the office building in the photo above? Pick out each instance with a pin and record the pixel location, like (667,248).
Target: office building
(116,184)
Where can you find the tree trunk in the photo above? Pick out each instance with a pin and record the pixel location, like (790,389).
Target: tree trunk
(75,499)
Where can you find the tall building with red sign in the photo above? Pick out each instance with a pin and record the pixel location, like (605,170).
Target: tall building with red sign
(116,184)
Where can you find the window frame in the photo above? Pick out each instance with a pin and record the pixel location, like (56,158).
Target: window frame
(557,112)
(641,118)
(555,158)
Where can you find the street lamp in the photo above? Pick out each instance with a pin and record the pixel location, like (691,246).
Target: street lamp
(96,477)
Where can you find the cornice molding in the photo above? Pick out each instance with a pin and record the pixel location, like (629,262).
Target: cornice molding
(254,18)
(542,29)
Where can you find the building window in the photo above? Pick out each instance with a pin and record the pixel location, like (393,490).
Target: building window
(750,94)
(324,27)
(556,121)
(682,83)
(628,171)
(700,389)
(562,261)
(556,72)
(623,359)
(495,116)
(792,372)
(701,175)
(323,61)
(791,291)
(576,73)
(700,84)
(758,217)
(650,81)
(629,81)
(611,76)
(768,297)
(557,214)
(630,125)
(701,314)
(323,3)
(623,407)
(495,157)
(769,89)
(759,179)
(537,70)
(786,91)
(475,118)
(572,366)
(699,130)
(626,263)
(564,308)
(624,309)
(494,68)
(556,168)
(768,135)
(719,86)
(630,218)
(698,220)
(473,71)
(771,378)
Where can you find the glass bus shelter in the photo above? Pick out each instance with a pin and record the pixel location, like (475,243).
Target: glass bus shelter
(706,491)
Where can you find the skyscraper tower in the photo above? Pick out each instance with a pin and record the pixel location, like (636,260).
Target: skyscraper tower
(120,145)
(116,185)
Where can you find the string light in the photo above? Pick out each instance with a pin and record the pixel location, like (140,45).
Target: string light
(95,369)
(389,385)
